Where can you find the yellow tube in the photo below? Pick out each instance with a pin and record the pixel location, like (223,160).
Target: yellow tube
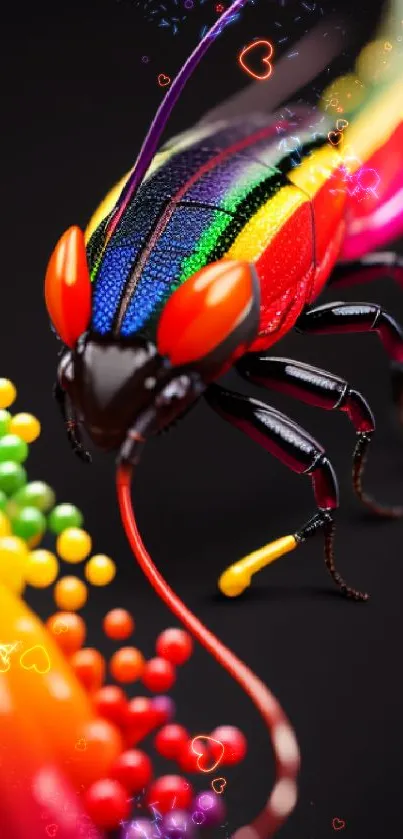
(237,577)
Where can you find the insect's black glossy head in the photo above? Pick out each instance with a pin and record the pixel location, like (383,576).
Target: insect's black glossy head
(114,384)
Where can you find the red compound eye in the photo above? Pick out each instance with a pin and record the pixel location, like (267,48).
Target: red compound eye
(208,309)
(68,287)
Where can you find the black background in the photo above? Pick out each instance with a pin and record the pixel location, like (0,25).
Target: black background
(76,101)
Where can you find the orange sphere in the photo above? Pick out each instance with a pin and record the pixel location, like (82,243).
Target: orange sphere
(89,667)
(69,631)
(127,664)
(96,749)
(118,624)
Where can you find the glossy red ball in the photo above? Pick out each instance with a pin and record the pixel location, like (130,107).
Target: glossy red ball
(169,792)
(175,645)
(133,769)
(234,742)
(188,759)
(158,675)
(170,741)
(107,803)
(111,703)
(140,719)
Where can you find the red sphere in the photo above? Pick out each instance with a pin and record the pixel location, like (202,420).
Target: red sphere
(140,719)
(188,758)
(118,624)
(170,792)
(175,645)
(133,769)
(89,667)
(234,742)
(107,803)
(158,675)
(170,741)
(111,704)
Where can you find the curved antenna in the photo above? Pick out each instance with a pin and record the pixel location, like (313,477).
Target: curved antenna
(160,120)
(283,795)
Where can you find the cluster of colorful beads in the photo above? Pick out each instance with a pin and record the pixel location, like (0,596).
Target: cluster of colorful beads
(28,511)
(107,745)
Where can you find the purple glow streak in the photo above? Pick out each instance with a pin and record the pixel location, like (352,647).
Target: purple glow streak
(160,120)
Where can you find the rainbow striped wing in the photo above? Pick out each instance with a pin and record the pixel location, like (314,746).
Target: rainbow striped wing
(225,193)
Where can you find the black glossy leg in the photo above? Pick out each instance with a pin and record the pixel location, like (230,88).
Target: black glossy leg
(323,390)
(373,266)
(294,447)
(71,423)
(361,317)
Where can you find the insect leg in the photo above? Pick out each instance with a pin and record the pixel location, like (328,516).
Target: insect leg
(294,447)
(335,318)
(373,266)
(323,390)
(71,423)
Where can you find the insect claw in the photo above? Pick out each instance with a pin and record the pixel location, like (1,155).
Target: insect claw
(359,458)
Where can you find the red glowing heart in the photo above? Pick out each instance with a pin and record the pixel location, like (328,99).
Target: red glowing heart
(198,748)
(265,59)
(338,824)
(51,829)
(163,80)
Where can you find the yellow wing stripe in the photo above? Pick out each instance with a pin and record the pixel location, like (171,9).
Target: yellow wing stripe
(257,234)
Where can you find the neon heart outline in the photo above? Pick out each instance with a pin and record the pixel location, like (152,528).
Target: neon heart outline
(201,754)
(54,828)
(265,59)
(333,134)
(33,666)
(161,80)
(340,824)
(222,785)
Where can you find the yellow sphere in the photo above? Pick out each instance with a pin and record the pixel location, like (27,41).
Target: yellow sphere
(100,570)
(8,393)
(70,594)
(343,95)
(74,544)
(5,526)
(42,568)
(25,426)
(378,62)
(13,560)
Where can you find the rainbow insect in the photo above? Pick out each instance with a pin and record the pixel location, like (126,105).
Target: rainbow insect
(202,258)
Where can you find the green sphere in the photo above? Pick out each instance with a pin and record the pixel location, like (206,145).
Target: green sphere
(63,516)
(35,494)
(12,477)
(5,418)
(3,500)
(13,448)
(28,523)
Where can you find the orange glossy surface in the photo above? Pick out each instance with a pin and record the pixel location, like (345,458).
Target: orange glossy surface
(68,287)
(56,700)
(95,750)
(34,792)
(204,311)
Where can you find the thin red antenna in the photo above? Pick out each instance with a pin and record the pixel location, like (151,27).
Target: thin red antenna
(160,120)
(284,793)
